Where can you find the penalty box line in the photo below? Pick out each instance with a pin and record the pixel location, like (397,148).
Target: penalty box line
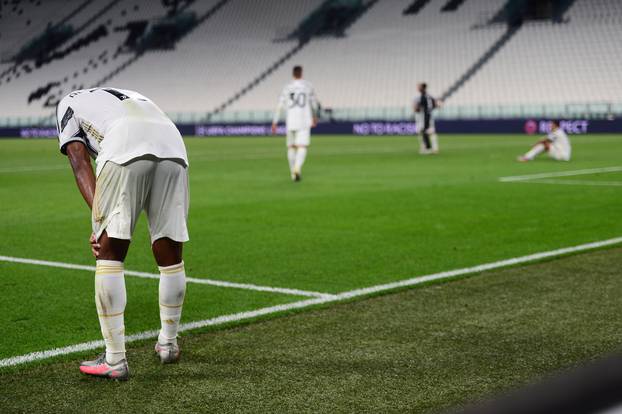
(271,310)
(146,275)
(571,173)
(577,182)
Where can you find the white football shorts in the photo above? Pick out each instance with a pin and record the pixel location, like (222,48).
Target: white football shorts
(157,186)
(299,137)
(559,154)
(419,125)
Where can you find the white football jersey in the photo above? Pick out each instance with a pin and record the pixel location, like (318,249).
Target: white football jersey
(298,99)
(117,125)
(560,141)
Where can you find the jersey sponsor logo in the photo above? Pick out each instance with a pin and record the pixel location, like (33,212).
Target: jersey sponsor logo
(66,118)
(89,129)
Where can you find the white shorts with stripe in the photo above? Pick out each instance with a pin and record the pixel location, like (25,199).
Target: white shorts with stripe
(157,186)
(299,137)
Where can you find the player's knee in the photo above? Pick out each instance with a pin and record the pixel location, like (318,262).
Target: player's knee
(167,252)
(112,248)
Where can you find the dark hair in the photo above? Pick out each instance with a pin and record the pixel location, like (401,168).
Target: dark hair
(424,86)
(297,71)
(555,121)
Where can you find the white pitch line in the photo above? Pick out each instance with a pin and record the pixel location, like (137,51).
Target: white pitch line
(560,174)
(224,319)
(145,275)
(579,182)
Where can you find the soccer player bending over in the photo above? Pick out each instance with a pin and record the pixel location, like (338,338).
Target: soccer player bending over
(424,107)
(298,98)
(556,143)
(141,164)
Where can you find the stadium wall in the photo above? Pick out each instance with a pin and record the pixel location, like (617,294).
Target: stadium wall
(370,128)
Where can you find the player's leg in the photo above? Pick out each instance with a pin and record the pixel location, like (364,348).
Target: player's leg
(167,211)
(433,138)
(167,252)
(426,147)
(110,296)
(117,204)
(172,290)
(291,150)
(540,147)
(291,157)
(303,139)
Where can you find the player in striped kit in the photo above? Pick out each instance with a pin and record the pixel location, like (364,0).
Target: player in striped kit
(424,108)
(298,99)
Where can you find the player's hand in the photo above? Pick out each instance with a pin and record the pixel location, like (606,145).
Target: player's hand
(273,128)
(94,245)
(314,122)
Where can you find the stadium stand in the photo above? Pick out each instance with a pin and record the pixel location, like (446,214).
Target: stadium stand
(385,54)
(102,27)
(573,61)
(237,45)
(360,54)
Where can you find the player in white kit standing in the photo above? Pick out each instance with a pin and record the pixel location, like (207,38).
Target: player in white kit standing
(298,99)
(556,143)
(141,164)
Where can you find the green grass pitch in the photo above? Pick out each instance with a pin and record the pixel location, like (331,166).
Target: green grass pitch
(368,211)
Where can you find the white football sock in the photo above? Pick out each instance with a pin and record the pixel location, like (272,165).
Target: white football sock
(291,157)
(110,300)
(172,292)
(434,142)
(301,154)
(537,149)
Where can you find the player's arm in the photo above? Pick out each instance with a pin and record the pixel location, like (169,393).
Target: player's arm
(85,179)
(72,143)
(82,170)
(417,106)
(315,108)
(277,111)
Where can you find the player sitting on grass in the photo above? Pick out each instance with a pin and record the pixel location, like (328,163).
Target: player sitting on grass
(556,143)
(141,164)
(298,98)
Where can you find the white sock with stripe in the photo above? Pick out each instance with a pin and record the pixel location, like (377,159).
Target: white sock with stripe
(301,154)
(172,292)
(110,299)
(434,142)
(291,157)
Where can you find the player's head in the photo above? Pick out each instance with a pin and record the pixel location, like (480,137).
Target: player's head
(554,124)
(422,87)
(297,72)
